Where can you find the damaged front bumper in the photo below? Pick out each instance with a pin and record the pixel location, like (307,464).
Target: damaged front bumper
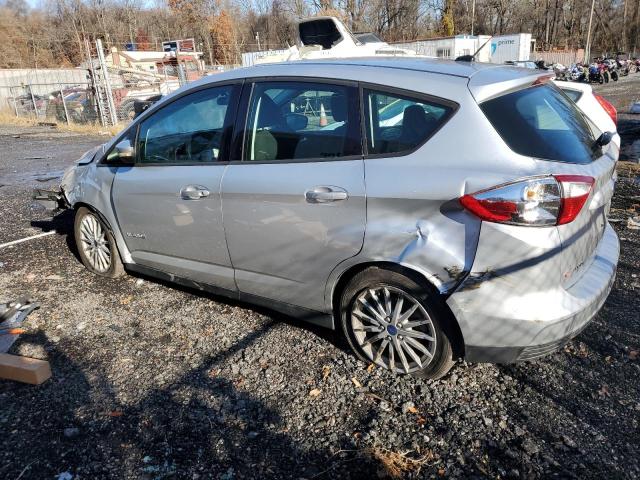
(52,201)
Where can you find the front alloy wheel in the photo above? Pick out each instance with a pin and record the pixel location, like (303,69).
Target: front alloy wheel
(96,245)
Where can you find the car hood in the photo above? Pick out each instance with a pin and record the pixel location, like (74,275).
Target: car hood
(70,175)
(89,155)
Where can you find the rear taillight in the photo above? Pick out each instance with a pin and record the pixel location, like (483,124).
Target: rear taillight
(575,191)
(610,109)
(541,201)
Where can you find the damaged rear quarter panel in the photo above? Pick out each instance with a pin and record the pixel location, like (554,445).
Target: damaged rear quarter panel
(414,217)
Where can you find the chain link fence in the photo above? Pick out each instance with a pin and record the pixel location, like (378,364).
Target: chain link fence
(114,98)
(53,102)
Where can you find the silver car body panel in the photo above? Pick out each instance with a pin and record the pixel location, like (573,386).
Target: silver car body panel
(164,231)
(281,246)
(508,287)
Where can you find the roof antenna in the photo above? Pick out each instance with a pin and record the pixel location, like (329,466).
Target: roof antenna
(471,58)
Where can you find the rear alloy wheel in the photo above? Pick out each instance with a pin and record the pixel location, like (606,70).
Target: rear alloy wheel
(389,320)
(96,245)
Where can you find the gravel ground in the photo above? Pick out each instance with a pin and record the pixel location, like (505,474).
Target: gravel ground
(154,381)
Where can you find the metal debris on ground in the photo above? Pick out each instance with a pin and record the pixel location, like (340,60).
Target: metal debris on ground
(12,315)
(15,367)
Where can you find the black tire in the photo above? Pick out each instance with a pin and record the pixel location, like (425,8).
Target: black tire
(614,76)
(115,268)
(600,79)
(374,277)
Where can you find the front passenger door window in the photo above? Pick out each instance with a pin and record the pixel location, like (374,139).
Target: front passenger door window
(190,130)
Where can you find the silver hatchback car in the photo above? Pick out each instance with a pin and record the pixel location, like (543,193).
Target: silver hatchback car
(429,210)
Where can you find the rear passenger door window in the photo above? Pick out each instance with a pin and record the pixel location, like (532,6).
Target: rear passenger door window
(398,124)
(293,120)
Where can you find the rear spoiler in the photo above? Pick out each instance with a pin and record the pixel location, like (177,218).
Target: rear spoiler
(489,83)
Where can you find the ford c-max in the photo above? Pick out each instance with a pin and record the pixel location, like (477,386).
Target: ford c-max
(429,210)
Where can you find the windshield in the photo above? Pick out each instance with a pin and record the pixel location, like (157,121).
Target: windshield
(542,122)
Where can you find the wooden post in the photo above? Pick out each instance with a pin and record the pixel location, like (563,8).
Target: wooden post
(64,105)
(33,100)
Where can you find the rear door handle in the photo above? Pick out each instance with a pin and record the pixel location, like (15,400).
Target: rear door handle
(194,192)
(325,194)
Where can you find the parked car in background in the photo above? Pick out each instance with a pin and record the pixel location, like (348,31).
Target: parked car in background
(28,104)
(140,106)
(600,111)
(474,227)
(79,103)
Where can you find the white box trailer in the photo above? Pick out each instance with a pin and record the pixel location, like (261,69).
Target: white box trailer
(449,47)
(505,48)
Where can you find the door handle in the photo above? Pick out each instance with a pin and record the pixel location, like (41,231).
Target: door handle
(325,194)
(194,192)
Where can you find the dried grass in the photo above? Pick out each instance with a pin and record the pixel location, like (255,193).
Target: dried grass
(7,117)
(628,169)
(398,464)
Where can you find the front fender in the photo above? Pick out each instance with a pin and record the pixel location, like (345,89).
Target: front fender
(90,185)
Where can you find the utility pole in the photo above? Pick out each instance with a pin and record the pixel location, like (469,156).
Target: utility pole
(624,28)
(258,40)
(587,51)
(473,14)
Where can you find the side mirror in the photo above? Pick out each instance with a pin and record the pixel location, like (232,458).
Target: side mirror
(122,153)
(124,150)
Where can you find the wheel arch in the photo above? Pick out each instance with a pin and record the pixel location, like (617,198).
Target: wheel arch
(78,205)
(121,247)
(451,324)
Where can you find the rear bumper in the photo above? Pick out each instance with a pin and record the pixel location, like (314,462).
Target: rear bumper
(533,326)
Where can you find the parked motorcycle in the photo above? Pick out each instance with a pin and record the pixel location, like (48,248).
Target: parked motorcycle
(595,74)
(579,73)
(611,67)
(560,71)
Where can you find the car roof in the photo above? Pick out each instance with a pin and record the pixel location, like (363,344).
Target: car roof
(447,79)
(402,62)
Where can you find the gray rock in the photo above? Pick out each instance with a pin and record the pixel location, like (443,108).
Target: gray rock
(406,406)
(530,447)
(71,432)
(569,442)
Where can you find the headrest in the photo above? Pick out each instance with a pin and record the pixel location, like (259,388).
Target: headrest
(339,107)
(415,119)
(296,121)
(269,115)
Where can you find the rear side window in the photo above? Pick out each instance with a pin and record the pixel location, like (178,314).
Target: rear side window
(398,124)
(543,123)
